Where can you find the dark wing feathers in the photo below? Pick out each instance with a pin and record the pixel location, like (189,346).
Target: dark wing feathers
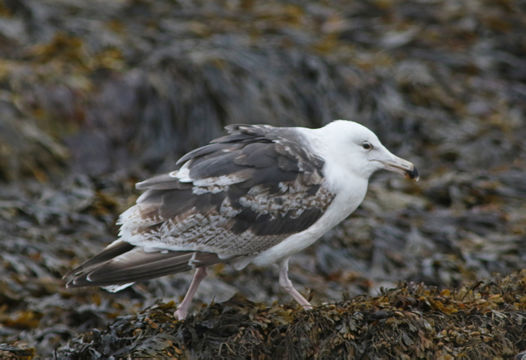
(136,265)
(113,250)
(248,190)
(160,182)
(222,163)
(255,155)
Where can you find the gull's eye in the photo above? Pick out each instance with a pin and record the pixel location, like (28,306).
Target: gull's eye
(367,146)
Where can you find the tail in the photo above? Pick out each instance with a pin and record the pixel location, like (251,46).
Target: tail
(123,263)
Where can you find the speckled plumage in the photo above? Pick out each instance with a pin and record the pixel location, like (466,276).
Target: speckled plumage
(258,194)
(236,197)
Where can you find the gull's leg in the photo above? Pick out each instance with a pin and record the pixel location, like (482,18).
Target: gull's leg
(285,283)
(182,309)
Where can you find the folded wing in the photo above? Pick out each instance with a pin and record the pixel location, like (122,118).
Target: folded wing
(235,197)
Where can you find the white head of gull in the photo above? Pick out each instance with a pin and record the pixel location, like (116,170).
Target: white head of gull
(257,195)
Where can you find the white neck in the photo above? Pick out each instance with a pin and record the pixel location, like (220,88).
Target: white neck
(338,174)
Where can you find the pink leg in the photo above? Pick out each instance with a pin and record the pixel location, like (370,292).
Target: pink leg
(285,283)
(182,309)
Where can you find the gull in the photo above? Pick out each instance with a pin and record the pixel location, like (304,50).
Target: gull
(257,195)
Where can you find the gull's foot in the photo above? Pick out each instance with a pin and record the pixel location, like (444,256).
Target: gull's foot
(179,314)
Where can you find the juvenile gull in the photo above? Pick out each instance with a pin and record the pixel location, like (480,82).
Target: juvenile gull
(257,195)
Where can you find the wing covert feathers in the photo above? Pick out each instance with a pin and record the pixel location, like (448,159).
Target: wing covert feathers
(238,196)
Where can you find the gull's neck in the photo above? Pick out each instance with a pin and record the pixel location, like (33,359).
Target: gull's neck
(339,177)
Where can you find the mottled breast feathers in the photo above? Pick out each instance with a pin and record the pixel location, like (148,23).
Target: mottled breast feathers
(237,196)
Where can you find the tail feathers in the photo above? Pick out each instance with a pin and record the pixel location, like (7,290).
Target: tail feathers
(111,251)
(134,264)
(117,288)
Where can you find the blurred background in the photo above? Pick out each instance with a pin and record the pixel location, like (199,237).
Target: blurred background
(97,95)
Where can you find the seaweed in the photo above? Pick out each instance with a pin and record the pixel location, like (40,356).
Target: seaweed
(482,320)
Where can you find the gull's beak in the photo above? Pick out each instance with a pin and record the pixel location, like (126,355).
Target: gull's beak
(401,166)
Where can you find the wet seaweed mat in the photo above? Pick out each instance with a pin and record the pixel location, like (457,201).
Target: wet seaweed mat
(482,320)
